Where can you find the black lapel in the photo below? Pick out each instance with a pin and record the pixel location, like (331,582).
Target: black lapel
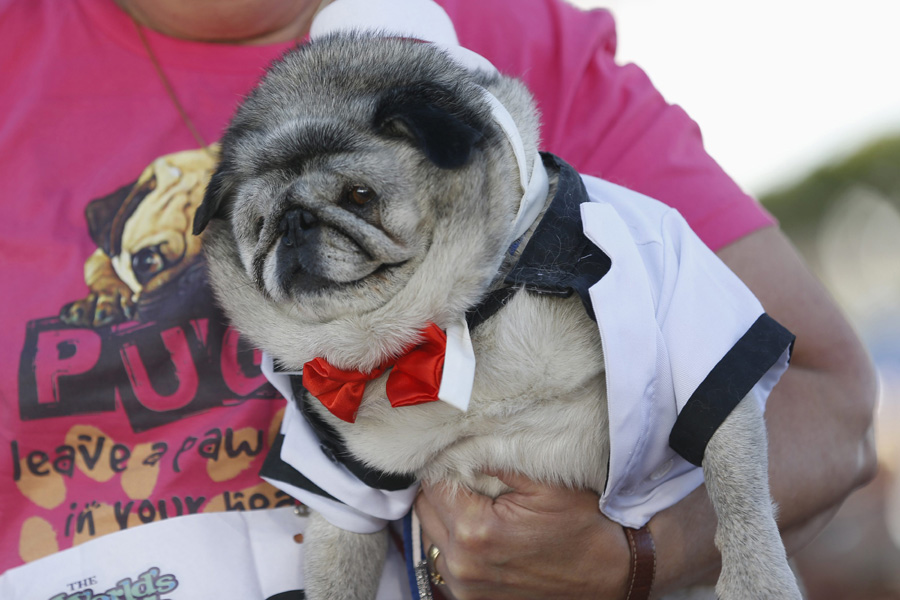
(559,259)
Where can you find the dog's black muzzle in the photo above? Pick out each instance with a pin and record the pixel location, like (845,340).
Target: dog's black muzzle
(294,225)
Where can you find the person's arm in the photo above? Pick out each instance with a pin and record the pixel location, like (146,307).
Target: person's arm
(819,419)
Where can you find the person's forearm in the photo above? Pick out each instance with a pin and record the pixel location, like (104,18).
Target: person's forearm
(820,448)
(820,415)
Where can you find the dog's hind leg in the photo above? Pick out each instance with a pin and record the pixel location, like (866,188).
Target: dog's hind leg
(735,465)
(340,564)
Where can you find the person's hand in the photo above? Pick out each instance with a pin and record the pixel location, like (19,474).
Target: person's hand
(533,542)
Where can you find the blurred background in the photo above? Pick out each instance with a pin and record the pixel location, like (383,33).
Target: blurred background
(799,100)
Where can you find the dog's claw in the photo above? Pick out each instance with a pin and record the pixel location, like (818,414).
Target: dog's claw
(98,309)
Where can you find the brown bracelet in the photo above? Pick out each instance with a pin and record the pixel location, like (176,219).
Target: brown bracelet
(643,563)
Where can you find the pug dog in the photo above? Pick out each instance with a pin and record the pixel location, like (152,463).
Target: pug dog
(147,264)
(368,199)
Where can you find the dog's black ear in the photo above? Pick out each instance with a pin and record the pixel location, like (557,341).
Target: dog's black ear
(106,216)
(218,195)
(425,114)
(102,214)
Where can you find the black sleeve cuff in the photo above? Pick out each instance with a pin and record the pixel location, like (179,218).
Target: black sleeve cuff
(726,385)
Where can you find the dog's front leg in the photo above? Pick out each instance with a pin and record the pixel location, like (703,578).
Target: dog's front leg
(340,564)
(735,465)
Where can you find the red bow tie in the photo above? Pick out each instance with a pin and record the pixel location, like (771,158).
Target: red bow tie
(414,379)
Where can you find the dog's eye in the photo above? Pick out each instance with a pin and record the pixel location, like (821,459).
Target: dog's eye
(359,194)
(147,262)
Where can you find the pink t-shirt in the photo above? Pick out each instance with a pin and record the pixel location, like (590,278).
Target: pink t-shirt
(126,397)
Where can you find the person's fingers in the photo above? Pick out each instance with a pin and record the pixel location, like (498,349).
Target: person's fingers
(434,533)
(441,573)
(540,498)
(461,511)
(447,498)
(519,483)
(433,521)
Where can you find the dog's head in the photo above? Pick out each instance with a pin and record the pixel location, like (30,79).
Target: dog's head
(153,245)
(364,186)
(151,263)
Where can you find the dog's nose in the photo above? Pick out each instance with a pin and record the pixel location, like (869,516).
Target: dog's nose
(294,223)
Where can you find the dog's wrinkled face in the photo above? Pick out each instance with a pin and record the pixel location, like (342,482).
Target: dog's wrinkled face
(329,218)
(154,245)
(334,175)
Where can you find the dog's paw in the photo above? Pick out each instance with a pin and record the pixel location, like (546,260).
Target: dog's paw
(99,308)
